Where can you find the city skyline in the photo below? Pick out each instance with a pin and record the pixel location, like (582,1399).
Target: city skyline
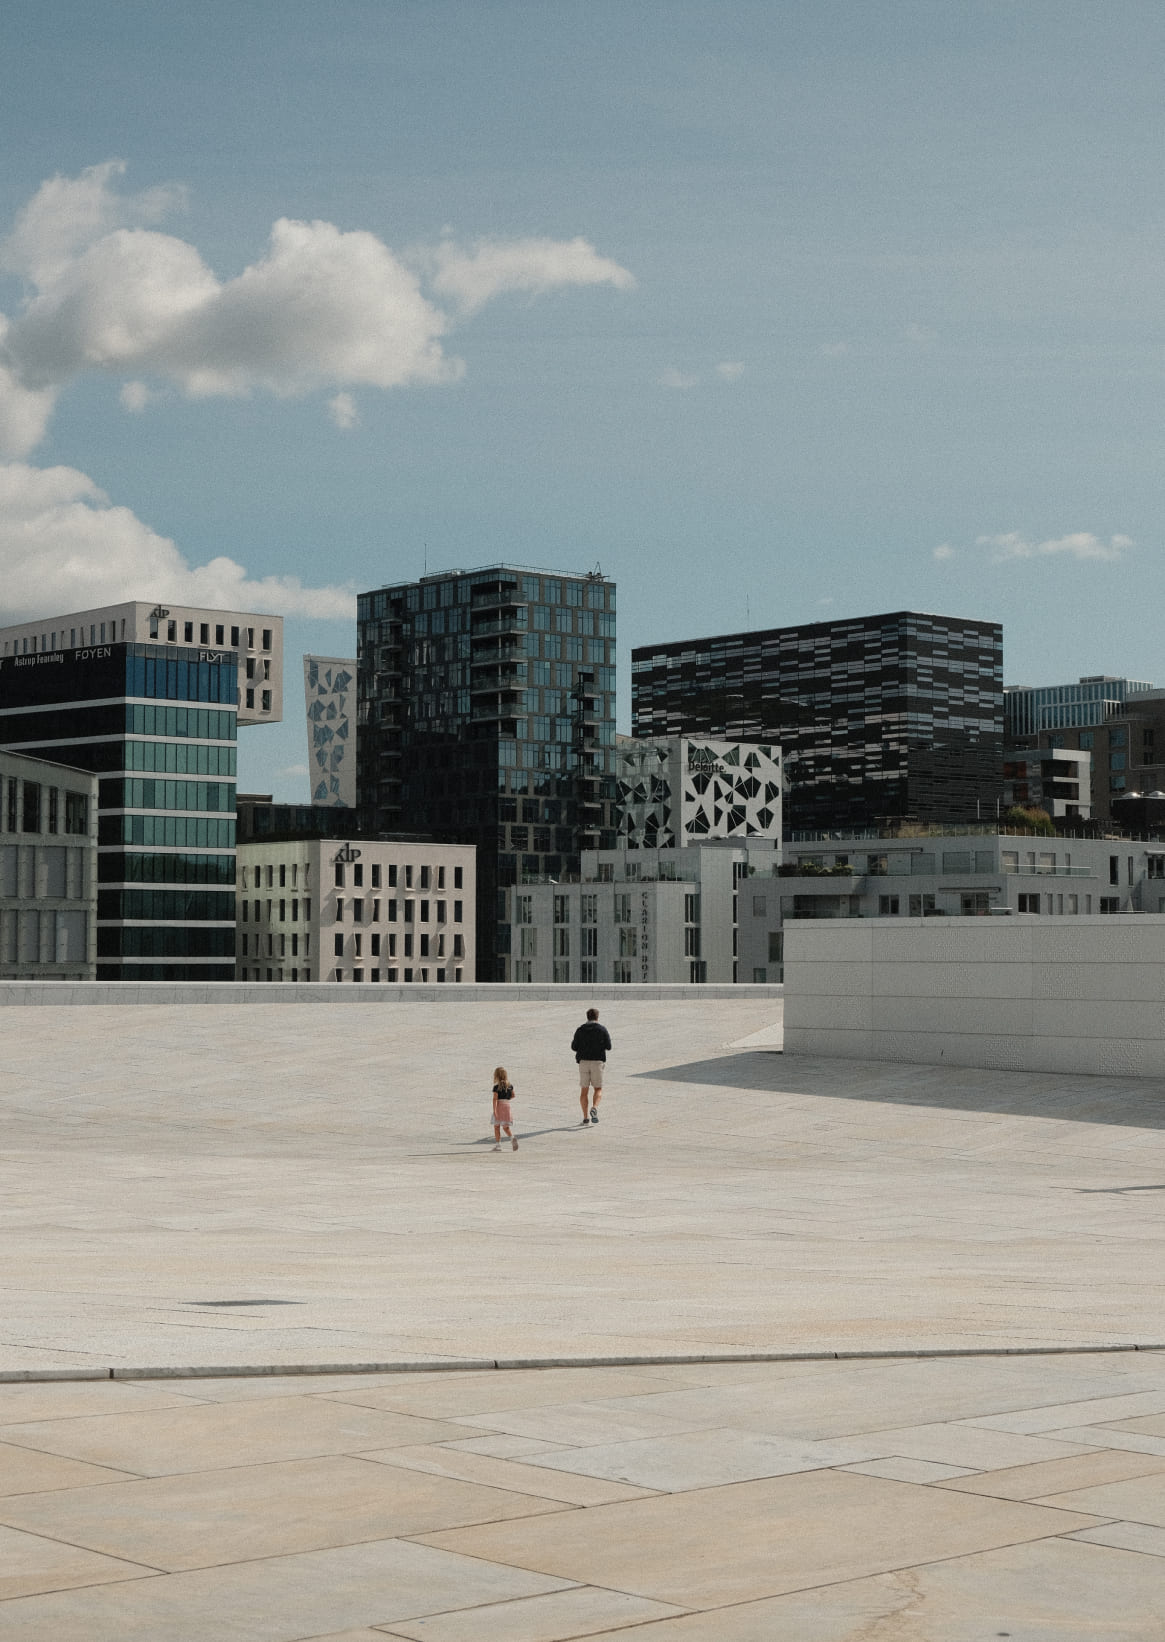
(858,305)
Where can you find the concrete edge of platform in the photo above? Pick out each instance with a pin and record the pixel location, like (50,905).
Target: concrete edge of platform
(67,994)
(474,1365)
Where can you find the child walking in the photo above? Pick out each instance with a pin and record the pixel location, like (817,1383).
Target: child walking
(503,1118)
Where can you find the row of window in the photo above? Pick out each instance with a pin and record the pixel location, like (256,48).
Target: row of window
(165,941)
(427,945)
(174,905)
(197,832)
(254,945)
(422,912)
(179,757)
(134,868)
(29,935)
(169,678)
(204,629)
(34,806)
(622,971)
(197,723)
(409,976)
(426,877)
(51,872)
(137,793)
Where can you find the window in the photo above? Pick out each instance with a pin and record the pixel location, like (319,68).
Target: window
(424,877)
(697,972)
(1073,903)
(562,943)
(283,912)
(691,909)
(30,807)
(529,943)
(561,909)
(1028,903)
(375,911)
(408,877)
(339,946)
(54,799)
(588,971)
(266,702)
(391,911)
(887,906)
(410,910)
(358,911)
(392,877)
(776,946)
(921,906)
(457,912)
(220,634)
(440,912)
(622,908)
(759,977)
(1114,869)
(457,884)
(376,876)
(358,877)
(234,637)
(692,943)
(589,943)
(523,970)
(266,638)
(204,633)
(1110,903)
(606,872)
(424,910)
(1156,866)
(622,971)
(974,903)
(523,909)
(588,909)
(424,953)
(188,632)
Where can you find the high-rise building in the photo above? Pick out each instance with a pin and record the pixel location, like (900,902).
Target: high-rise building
(878,717)
(48,871)
(156,719)
(487,717)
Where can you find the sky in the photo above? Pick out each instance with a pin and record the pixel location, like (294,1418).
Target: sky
(775,312)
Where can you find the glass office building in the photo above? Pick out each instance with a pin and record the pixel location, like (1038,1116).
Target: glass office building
(157,723)
(486,703)
(1092,700)
(880,717)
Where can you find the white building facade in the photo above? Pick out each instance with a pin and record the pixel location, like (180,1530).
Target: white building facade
(637,916)
(329,686)
(687,790)
(355,910)
(257,640)
(48,870)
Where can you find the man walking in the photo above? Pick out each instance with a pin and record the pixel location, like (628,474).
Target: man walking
(590,1044)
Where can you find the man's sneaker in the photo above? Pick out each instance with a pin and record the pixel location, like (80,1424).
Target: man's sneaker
(594,1114)
(497,1148)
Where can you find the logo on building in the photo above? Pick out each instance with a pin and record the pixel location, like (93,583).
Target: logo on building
(346,853)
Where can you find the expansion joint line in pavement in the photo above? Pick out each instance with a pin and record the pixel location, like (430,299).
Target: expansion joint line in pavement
(473,1365)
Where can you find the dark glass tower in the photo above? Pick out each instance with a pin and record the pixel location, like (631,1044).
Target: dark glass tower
(487,717)
(880,718)
(158,724)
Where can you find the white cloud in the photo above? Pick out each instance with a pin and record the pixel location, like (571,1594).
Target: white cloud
(678,379)
(1081,544)
(321,308)
(472,278)
(944,551)
(294,769)
(343,411)
(730,370)
(64,547)
(135,396)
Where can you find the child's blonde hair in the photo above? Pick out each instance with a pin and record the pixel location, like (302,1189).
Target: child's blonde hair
(500,1075)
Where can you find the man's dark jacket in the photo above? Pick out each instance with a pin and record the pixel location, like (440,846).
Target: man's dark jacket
(591,1041)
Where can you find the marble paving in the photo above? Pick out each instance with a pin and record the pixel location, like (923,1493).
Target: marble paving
(249,1188)
(220,1187)
(318,1506)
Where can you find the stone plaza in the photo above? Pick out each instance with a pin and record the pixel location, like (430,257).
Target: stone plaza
(783,1350)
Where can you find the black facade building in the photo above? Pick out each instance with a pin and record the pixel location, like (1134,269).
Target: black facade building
(487,717)
(881,718)
(157,723)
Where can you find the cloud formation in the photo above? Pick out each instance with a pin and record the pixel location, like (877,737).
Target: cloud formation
(944,551)
(322,308)
(64,547)
(1081,544)
(343,412)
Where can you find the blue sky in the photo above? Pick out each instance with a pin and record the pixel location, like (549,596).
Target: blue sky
(775,311)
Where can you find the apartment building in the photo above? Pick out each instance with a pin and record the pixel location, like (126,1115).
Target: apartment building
(637,916)
(355,910)
(487,718)
(48,870)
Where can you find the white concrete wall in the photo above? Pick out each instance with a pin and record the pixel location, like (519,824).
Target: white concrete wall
(1026,994)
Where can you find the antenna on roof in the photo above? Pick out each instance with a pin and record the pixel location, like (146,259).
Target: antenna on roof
(426,569)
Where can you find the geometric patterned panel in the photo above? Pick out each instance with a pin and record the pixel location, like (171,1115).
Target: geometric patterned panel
(329,684)
(680,790)
(730,789)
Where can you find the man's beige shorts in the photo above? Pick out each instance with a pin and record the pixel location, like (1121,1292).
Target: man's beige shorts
(590,1073)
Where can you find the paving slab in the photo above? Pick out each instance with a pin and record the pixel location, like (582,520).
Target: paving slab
(713,1547)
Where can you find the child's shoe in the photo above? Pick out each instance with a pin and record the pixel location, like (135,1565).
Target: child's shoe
(497,1146)
(514,1143)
